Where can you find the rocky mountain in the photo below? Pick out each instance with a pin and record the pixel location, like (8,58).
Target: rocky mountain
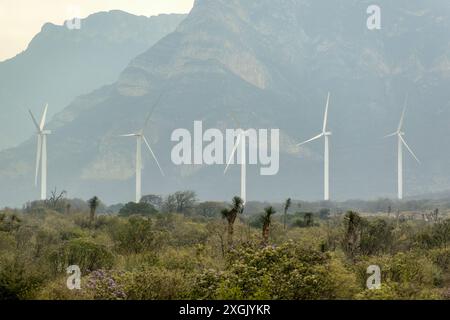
(62,63)
(271,64)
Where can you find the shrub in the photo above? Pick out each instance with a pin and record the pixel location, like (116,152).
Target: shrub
(142,208)
(405,275)
(284,272)
(82,252)
(137,235)
(376,237)
(156,284)
(9,222)
(438,235)
(441,257)
(105,285)
(19,279)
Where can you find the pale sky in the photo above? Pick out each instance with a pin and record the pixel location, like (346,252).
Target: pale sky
(21,20)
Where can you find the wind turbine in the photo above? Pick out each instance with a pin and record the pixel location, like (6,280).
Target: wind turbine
(140,137)
(401,142)
(41,154)
(240,142)
(326,134)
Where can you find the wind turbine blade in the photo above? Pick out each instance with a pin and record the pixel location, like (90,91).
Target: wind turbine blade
(391,135)
(152,110)
(400,125)
(34,120)
(325,119)
(409,149)
(153,155)
(238,141)
(44,116)
(128,135)
(38,158)
(310,140)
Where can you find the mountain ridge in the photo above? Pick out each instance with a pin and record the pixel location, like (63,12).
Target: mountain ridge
(273,68)
(60,64)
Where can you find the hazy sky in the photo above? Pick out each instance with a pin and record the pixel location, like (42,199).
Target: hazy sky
(20,20)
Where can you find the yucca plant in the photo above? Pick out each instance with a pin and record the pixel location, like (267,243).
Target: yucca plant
(286,207)
(230,215)
(93,205)
(267,221)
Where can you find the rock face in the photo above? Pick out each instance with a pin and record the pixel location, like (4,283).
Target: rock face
(270,63)
(61,64)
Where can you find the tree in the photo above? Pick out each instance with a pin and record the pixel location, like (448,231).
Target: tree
(180,202)
(352,235)
(142,208)
(209,208)
(308,219)
(267,220)
(287,205)
(324,213)
(230,215)
(185,200)
(93,205)
(56,200)
(170,204)
(154,200)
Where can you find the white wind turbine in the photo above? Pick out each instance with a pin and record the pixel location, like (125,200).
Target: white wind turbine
(401,142)
(240,142)
(41,154)
(140,137)
(326,134)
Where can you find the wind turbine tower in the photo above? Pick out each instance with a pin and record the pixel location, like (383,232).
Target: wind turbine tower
(326,135)
(140,138)
(41,154)
(401,141)
(240,142)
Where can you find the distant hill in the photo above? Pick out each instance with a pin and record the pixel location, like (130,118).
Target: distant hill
(271,63)
(61,64)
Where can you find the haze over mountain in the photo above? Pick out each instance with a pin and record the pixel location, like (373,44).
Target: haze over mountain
(61,64)
(271,63)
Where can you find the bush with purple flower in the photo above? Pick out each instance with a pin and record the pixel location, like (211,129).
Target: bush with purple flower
(105,285)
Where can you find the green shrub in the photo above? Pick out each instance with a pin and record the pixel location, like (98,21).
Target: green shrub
(9,222)
(441,257)
(284,272)
(137,235)
(84,253)
(437,235)
(19,279)
(156,284)
(141,208)
(407,275)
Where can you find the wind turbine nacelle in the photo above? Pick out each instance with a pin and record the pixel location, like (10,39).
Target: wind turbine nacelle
(327,134)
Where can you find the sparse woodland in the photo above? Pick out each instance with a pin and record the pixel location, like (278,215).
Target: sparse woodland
(177,248)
